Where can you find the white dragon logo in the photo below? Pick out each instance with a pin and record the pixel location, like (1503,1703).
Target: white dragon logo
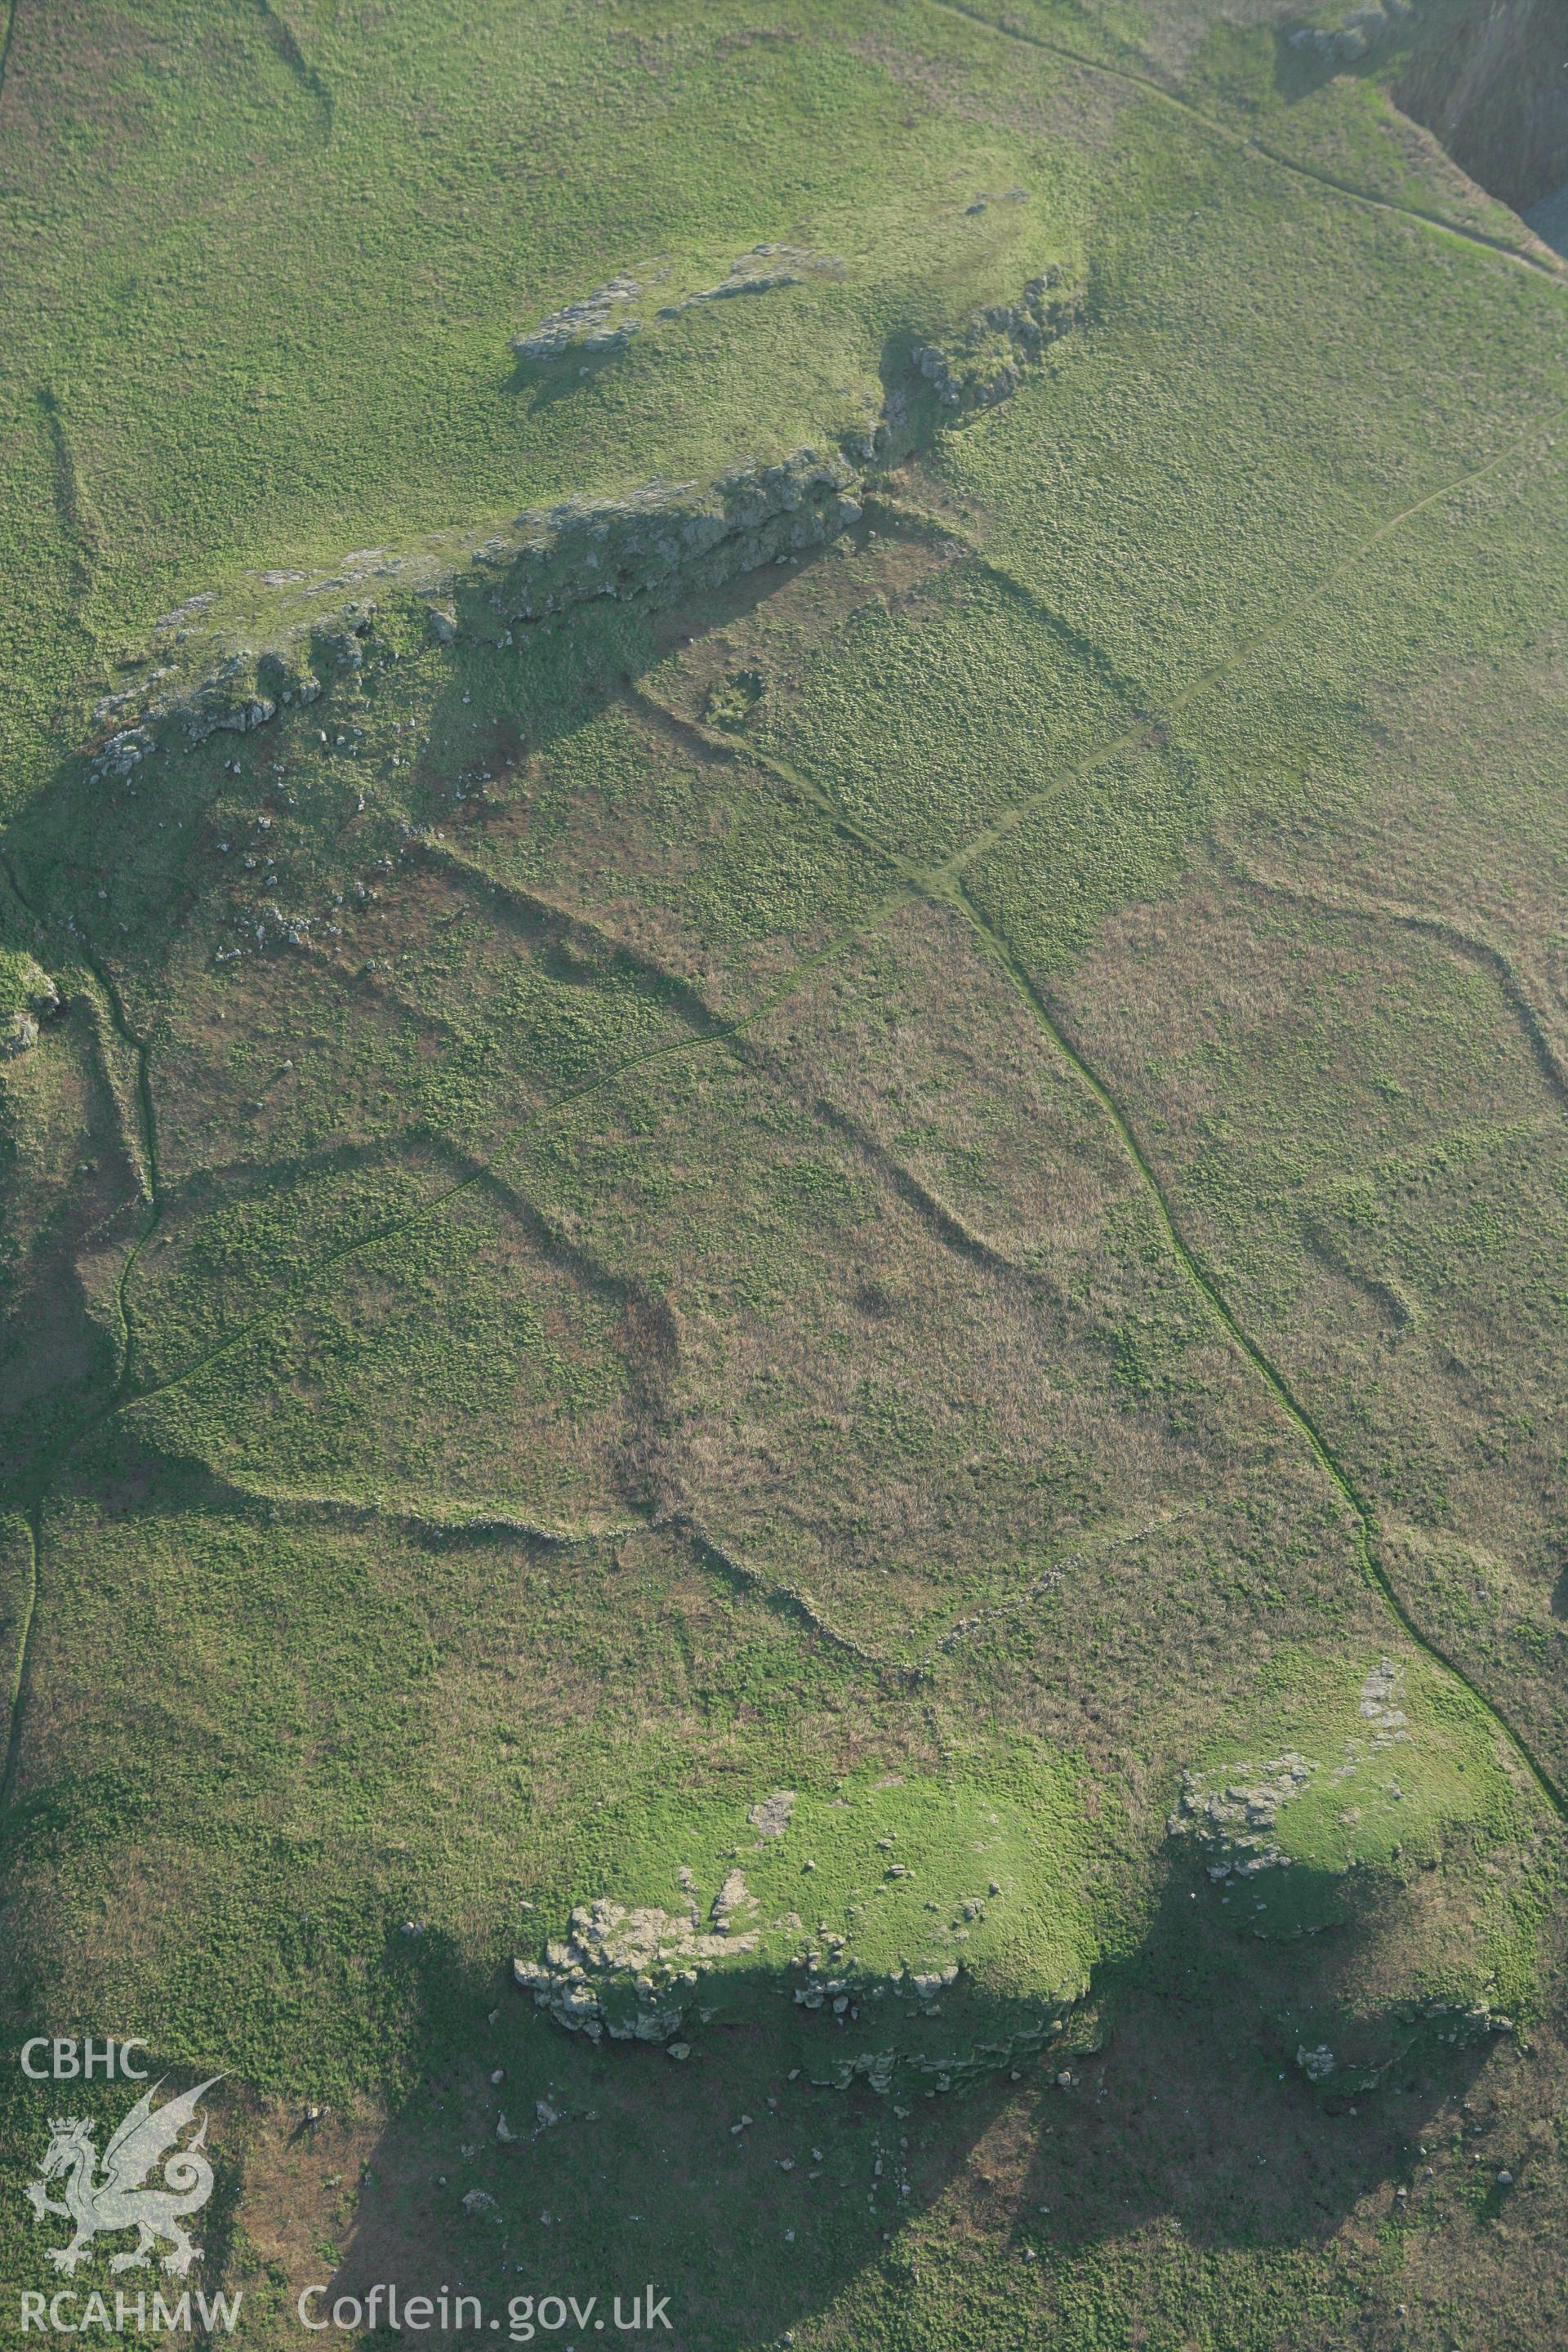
(119,2201)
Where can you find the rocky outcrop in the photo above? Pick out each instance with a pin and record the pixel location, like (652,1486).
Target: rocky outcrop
(1430,2024)
(762,271)
(27,996)
(771,1816)
(986,363)
(667,539)
(632,1972)
(663,541)
(654,1972)
(1234,1814)
(243,691)
(597,323)
(1489,79)
(1235,1820)
(605,321)
(1357,34)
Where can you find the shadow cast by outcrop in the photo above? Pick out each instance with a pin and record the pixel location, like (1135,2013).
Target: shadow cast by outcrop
(530,2162)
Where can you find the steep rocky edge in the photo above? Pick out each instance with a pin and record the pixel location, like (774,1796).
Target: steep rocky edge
(663,541)
(1489,79)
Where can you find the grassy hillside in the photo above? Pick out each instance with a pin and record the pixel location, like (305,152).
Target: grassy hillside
(785,1037)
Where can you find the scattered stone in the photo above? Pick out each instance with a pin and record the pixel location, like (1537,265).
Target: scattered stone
(481,2204)
(504,2132)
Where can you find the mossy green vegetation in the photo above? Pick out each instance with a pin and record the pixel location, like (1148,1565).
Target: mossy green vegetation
(1335,1835)
(893,1904)
(783,1160)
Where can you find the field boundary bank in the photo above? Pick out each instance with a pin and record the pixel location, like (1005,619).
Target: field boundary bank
(1474,946)
(941,885)
(1363,1515)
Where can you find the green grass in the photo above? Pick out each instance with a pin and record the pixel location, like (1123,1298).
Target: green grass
(930,1177)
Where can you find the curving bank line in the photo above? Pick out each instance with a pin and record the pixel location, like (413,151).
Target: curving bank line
(1268,1372)
(940,884)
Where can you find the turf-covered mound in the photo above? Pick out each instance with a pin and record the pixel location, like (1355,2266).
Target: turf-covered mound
(911,1932)
(1361,1850)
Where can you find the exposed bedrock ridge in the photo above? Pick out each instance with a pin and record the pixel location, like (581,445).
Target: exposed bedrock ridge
(664,541)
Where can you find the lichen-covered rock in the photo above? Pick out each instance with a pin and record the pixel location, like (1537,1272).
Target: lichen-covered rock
(1235,1820)
(771,1816)
(630,1972)
(986,362)
(596,323)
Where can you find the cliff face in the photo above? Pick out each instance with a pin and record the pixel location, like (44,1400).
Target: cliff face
(1490,80)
